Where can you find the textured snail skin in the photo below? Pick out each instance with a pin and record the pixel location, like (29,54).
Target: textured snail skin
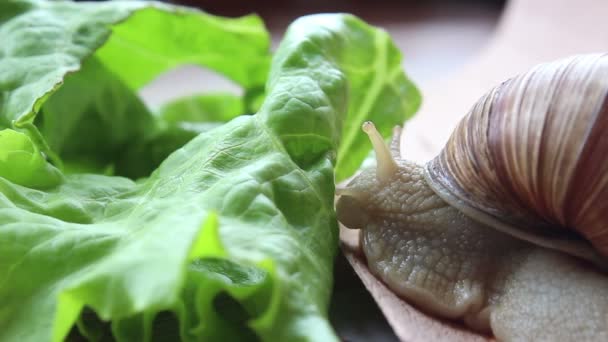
(451,266)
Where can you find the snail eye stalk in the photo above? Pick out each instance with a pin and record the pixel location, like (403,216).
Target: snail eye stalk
(387,166)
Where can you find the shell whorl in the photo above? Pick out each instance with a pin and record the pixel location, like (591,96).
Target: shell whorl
(533,152)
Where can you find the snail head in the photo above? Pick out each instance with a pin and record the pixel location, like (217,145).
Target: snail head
(371,192)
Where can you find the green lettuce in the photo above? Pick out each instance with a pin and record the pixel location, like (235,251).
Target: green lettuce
(223,231)
(175,124)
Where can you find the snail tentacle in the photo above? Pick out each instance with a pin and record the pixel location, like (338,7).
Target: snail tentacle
(395,145)
(386,166)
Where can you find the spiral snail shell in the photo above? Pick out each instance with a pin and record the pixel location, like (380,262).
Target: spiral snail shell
(533,152)
(494,230)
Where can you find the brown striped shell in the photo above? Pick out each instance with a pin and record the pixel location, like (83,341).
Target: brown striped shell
(531,157)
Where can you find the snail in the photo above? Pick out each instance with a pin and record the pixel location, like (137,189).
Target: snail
(507,228)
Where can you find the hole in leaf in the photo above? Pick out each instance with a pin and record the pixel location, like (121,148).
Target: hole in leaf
(165,327)
(230,308)
(232,311)
(90,327)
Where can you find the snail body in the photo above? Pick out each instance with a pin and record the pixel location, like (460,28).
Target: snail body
(507,228)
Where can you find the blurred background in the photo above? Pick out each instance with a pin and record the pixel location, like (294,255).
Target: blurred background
(436,37)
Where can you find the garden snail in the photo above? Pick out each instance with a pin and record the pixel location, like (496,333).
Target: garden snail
(507,228)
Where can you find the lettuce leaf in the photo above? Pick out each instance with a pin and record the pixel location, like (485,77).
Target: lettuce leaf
(175,124)
(22,163)
(46,40)
(233,236)
(379,91)
(95,108)
(129,43)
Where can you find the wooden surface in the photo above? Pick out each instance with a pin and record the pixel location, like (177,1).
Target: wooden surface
(529,32)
